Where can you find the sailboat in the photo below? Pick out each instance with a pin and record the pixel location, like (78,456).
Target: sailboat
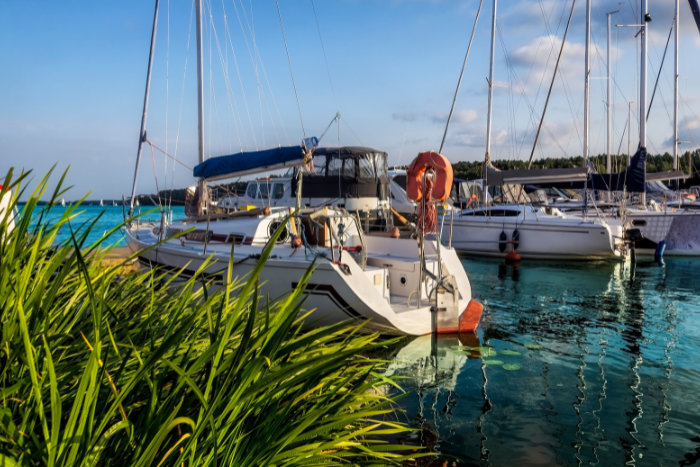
(63,202)
(101,204)
(662,227)
(393,285)
(532,231)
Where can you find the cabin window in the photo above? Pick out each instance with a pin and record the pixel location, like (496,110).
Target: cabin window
(236,238)
(263,190)
(496,213)
(277,190)
(639,223)
(199,236)
(252,188)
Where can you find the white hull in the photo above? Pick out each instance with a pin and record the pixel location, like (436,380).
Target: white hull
(374,296)
(680,229)
(541,237)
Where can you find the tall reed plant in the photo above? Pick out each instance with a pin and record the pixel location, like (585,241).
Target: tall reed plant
(97,369)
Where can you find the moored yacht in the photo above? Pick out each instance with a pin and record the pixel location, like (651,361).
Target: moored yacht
(397,285)
(534,232)
(391,285)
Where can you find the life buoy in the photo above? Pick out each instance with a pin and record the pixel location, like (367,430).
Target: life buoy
(442,181)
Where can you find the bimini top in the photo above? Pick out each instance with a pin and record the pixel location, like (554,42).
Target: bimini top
(246,163)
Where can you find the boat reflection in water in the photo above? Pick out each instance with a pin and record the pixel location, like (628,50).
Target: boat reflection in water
(602,360)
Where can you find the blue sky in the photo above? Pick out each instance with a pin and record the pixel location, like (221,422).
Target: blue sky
(72,77)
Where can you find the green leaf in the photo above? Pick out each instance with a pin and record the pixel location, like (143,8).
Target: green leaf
(511,366)
(510,352)
(492,362)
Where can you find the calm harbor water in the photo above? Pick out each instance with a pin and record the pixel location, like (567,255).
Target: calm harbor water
(606,369)
(573,364)
(109,217)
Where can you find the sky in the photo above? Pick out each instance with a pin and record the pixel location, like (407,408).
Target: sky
(73,73)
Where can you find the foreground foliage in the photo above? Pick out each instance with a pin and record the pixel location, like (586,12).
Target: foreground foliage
(101,370)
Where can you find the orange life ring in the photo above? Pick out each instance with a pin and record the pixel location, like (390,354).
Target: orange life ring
(442,181)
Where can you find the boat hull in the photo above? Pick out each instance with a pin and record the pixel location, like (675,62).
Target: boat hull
(537,240)
(331,294)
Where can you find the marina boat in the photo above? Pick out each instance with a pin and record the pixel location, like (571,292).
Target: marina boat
(534,232)
(502,220)
(351,178)
(391,285)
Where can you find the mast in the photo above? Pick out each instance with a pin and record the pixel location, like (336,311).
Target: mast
(586,105)
(490,104)
(586,90)
(643,79)
(200,102)
(142,134)
(675,93)
(608,132)
(629,132)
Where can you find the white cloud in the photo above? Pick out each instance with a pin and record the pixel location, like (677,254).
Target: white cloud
(460,116)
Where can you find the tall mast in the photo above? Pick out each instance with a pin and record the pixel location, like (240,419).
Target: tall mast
(608,131)
(675,94)
(200,100)
(490,105)
(643,79)
(586,90)
(629,132)
(142,134)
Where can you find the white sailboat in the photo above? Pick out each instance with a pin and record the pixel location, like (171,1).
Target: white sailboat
(63,202)
(396,286)
(101,203)
(531,231)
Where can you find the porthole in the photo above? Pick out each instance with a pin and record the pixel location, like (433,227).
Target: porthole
(639,222)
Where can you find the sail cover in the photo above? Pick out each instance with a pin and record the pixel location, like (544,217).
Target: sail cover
(696,11)
(633,178)
(498,177)
(246,163)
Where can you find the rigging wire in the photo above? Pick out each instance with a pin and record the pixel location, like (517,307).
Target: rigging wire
(213,90)
(459,82)
(272,94)
(511,69)
(255,66)
(661,66)
(328,70)
(167,93)
(182,99)
(240,80)
(279,13)
(353,133)
(229,90)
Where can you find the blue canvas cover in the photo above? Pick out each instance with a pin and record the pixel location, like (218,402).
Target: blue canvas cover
(634,177)
(246,163)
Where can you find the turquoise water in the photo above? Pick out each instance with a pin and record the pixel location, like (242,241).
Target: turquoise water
(606,369)
(611,377)
(106,217)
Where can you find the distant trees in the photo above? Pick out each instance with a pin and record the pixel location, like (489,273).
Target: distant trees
(655,163)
